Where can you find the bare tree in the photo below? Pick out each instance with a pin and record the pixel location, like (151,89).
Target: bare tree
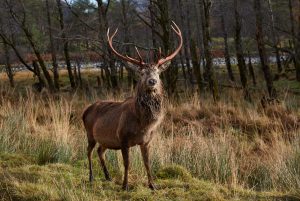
(20,19)
(262,50)
(194,53)
(8,68)
(274,37)
(292,22)
(205,6)
(52,48)
(183,22)
(240,53)
(226,48)
(13,46)
(125,10)
(111,75)
(65,43)
(251,70)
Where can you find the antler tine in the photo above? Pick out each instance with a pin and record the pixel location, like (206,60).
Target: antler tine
(177,30)
(136,49)
(159,53)
(126,58)
(170,57)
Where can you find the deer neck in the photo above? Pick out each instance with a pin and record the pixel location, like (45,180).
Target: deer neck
(149,105)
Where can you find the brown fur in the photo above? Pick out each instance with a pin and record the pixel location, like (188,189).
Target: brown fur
(121,125)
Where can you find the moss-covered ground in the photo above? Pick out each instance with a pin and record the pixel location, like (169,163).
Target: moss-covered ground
(22,179)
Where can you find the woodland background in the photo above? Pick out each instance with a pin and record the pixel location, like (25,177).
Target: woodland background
(232,124)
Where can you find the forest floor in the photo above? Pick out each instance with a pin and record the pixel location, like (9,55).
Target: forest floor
(230,150)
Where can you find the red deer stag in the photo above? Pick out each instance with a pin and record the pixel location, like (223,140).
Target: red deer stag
(121,125)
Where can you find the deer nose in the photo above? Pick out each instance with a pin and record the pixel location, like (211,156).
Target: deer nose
(152,82)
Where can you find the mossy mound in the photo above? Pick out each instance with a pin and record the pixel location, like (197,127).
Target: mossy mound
(174,172)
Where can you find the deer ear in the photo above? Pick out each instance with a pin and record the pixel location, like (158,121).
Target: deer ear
(133,67)
(164,66)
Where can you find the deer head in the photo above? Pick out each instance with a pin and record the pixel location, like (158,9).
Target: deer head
(148,72)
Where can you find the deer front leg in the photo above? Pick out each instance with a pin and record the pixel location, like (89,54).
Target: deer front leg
(145,154)
(125,154)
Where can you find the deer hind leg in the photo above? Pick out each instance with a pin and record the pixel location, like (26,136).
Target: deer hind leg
(101,151)
(91,145)
(125,154)
(145,154)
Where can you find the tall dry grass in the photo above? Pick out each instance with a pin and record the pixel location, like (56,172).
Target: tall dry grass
(230,142)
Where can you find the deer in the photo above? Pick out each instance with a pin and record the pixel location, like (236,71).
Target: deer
(121,125)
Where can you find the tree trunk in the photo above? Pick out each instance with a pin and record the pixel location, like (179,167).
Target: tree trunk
(38,74)
(182,66)
(196,65)
(102,74)
(153,14)
(105,67)
(113,74)
(65,44)
(293,32)
(171,74)
(79,73)
(298,48)
(52,47)
(209,72)
(185,41)
(127,39)
(226,49)
(8,68)
(251,70)
(75,76)
(262,50)
(194,53)
(292,22)
(240,53)
(198,29)
(274,37)
(39,58)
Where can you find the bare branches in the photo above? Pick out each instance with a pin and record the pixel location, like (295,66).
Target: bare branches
(148,24)
(78,17)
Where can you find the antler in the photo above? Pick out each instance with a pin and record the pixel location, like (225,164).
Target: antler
(125,58)
(170,57)
(140,62)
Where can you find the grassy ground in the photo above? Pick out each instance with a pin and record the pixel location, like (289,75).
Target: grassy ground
(23,179)
(230,150)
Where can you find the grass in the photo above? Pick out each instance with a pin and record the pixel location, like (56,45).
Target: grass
(22,179)
(230,150)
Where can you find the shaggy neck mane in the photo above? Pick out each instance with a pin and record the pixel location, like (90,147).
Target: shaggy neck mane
(149,104)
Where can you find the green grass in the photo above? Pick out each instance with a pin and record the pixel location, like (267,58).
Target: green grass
(21,178)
